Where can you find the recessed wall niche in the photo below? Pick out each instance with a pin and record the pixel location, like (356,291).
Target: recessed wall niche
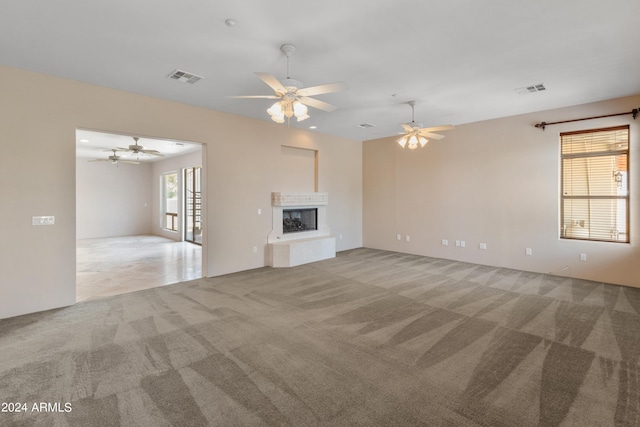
(299,170)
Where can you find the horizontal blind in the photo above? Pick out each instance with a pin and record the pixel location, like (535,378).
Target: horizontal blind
(595,184)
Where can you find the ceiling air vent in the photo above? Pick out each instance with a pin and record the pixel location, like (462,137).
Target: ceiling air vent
(531,89)
(183,76)
(366,125)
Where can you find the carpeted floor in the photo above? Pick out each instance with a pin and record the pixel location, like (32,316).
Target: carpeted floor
(368,338)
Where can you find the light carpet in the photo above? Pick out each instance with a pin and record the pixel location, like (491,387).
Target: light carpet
(368,338)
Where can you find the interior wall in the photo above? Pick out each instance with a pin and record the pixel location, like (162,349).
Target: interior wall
(298,170)
(495,182)
(112,201)
(41,112)
(173,164)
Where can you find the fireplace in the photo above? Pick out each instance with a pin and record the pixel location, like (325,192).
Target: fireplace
(296,220)
(300,232)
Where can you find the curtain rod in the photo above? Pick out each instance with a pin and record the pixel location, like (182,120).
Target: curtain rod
(543,125)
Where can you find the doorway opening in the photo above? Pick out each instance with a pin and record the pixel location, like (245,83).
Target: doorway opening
(133,227)
(193,205)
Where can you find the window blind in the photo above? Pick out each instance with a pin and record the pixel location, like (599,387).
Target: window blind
(595,184)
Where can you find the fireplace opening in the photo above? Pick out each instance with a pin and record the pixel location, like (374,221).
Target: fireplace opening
(295,220)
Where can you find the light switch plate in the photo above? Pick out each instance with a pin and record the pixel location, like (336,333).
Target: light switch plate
(43,220)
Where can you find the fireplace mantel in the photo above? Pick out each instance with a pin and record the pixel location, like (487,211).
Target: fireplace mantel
(299,199)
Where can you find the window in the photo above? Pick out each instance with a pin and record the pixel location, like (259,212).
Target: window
(594,201)
(170,201)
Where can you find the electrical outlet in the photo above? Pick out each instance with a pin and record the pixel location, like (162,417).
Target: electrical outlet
(259,211)
(445,242)
(528,251)
(398,237)
(483,246)
(407,238)
(340,236)
(255,249)
(583,257)
(463,243)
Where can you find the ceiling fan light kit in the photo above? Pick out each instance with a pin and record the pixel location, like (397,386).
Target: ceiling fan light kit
(411,142)
(282,109)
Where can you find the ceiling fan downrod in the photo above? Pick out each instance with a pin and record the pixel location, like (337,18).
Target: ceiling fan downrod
(288,50)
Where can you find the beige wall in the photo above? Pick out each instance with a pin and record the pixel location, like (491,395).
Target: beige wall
(112,201)
(495,182)
(297,170)
(39,115)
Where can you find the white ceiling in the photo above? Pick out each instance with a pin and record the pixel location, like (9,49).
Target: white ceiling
(461,59)
(98,145)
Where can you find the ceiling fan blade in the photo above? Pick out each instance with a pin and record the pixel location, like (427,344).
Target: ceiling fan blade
(438,128)
(100,160)
(322,89)
(128,161)
(118,149)
(316,103)
(407,127)
(152,152)
(272,82)
(430,135)
(256,97)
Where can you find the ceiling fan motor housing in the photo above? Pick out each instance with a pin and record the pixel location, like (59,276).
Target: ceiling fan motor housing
(288,49)
(291,84)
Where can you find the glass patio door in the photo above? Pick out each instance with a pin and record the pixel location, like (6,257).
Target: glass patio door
(193,205)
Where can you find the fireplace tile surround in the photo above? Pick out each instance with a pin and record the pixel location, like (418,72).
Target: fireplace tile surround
(291,249)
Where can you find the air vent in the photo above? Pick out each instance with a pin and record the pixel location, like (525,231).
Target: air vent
(366,125)
(183,76)
(531,89)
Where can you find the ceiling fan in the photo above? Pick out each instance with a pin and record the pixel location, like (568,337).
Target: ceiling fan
(114,158)
(138,149)
(293,97)
(415,134)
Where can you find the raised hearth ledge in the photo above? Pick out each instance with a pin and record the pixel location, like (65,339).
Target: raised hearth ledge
(302,251)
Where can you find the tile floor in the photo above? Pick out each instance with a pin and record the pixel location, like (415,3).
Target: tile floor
(117,265)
